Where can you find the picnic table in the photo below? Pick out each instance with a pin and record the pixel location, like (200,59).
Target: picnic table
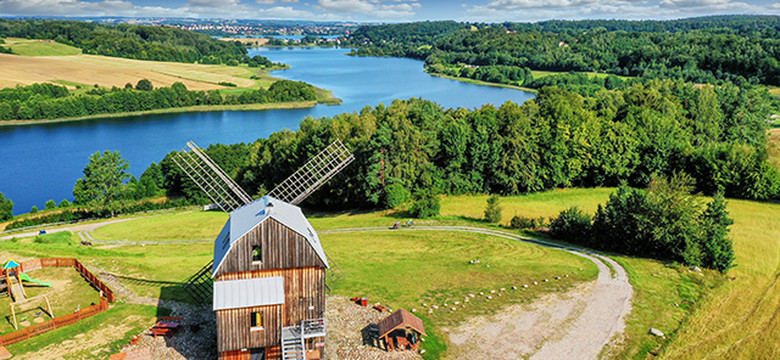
(166,327)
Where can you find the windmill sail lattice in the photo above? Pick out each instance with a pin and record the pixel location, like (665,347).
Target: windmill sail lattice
(313,174)
(224,191)
(217,185)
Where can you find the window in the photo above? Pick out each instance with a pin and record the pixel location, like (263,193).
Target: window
(257,320)
(257,254)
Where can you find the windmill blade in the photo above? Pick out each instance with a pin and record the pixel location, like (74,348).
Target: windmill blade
(210,178)
(313,174)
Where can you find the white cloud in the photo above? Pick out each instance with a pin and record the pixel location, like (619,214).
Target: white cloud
(282,12)
(82,8)
(371,8)
(265,2)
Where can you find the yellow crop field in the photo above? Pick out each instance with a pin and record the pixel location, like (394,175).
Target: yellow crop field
(109,71)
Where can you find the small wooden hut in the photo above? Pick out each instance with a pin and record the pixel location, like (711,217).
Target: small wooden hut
(401,331)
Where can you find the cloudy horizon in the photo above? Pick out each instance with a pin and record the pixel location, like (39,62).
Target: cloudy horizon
(392,10)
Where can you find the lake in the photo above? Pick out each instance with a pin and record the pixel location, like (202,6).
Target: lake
(42,162)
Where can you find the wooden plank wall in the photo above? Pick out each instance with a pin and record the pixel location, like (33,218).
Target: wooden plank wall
(233,328)
(303,287)
(282,247)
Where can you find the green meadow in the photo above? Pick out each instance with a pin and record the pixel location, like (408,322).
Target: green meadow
(405,268)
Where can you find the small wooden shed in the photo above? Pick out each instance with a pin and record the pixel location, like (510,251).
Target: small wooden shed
(401,330)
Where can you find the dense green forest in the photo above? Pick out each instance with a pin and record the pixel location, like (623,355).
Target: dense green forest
(559,139)
(741,49)
(140,42)
(48,101)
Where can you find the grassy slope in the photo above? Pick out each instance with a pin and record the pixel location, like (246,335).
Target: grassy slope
(774,145)
(29,47)
(717,326)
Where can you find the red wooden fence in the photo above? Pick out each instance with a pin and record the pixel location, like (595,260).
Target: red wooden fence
(52,324)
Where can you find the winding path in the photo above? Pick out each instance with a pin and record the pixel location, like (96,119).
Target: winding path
(607,303)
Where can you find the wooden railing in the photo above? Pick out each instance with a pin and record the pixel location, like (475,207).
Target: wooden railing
(107,296)
(52,324)
(63,262)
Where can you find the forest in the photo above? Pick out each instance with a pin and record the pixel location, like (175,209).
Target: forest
(141,42)
(739,49)
(48,101)
(716,135)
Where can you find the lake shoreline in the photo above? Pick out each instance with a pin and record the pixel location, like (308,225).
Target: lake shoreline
(483,83)
(187,109)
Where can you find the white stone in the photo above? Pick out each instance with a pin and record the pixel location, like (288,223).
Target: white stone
(492,291)
(656,332)
(414,310)
(457,302)
(514,287)
(525,285)
(536,283)
(435,306)
(545,280)
(471,295)
(502,289)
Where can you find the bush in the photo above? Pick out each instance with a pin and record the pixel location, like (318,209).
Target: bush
(64,203)
(396,195)
(232,62)
(34,209)
(426,205)
(144,85)
(50,205)
(522,222)
(225,83)
(493,209)
(571,225)
(6,208)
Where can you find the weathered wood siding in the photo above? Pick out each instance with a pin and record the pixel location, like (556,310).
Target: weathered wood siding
(282,248)
(233,328)
(303,287)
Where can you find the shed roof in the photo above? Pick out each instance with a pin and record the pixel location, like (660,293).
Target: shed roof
(400,318)
(243,293)
(247,217)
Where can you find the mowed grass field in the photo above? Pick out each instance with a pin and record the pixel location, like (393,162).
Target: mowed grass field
(774,146)
(36,61)
(34,47)
(704,316)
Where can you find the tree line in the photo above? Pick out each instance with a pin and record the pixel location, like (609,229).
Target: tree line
(141,42)
(559,139)
(663,222)
(743,50)
(48,101)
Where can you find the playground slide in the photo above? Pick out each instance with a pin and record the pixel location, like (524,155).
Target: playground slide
(25,277)
(17,291)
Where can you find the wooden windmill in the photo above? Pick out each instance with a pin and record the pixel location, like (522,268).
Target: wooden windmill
(268,277)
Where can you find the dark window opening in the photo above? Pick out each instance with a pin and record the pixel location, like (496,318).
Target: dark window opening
(257,319)
(257,253)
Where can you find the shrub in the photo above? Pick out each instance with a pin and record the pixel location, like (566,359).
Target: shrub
(6,208)
(34,209)
(426,205)
(493,209)
(144,85)
(571,225)
(396,195)
(64,203)
(50,205)
(522,222)
(225,83)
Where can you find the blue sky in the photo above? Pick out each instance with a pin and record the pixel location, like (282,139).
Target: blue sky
(392,10)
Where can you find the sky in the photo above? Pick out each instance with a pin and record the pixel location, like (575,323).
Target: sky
(392,10)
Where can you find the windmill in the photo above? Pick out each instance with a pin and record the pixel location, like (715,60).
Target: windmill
(269,273)
(228,195)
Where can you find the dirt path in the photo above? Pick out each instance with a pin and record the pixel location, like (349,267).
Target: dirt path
(577,324)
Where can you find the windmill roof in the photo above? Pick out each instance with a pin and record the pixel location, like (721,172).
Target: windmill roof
(247,217)
(243,293)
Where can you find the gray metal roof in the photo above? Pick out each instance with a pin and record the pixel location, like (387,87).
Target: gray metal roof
(236,294)
(247,217)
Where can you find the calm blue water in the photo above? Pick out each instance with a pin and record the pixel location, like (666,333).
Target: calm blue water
(42,162)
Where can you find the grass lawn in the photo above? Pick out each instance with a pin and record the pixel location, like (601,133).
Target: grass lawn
(715,316)
(411,268)
(69,290)
(774,145)
(95,337)
(537,74)
(30,47)
(177,226)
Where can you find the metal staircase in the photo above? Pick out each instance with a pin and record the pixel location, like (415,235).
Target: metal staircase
(294,338)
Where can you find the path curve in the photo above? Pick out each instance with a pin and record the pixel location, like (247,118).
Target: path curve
(607,305)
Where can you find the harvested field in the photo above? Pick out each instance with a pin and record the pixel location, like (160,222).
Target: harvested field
(108,71)
(248,41)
